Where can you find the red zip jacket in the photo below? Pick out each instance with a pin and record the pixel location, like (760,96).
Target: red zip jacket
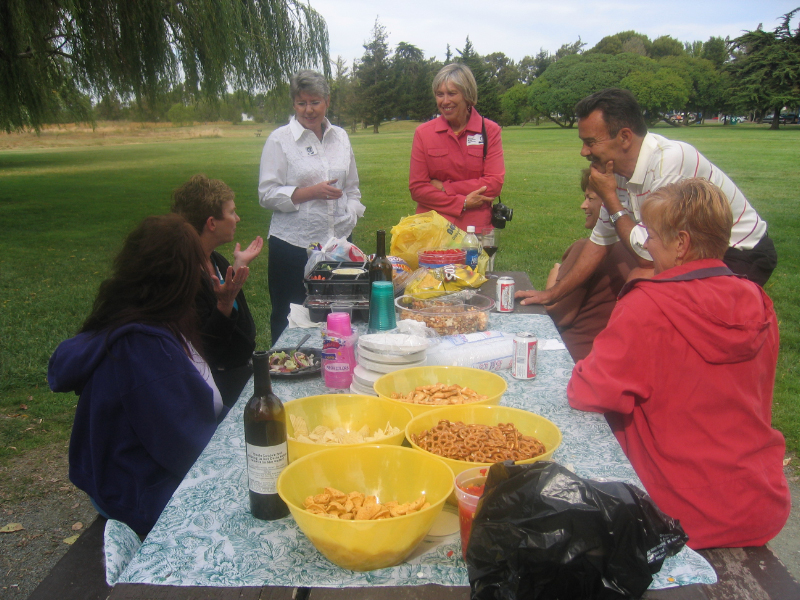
(685,372)
(456,161)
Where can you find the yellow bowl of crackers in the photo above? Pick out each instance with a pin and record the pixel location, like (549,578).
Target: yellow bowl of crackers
(318,422)
(473,436)
(422,389)
(366,507)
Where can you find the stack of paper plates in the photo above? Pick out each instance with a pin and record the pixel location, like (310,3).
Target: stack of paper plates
(381,353)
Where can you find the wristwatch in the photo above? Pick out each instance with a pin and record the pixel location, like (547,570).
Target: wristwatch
(616,216)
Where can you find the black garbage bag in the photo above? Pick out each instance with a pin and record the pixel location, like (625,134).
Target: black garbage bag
(541,533)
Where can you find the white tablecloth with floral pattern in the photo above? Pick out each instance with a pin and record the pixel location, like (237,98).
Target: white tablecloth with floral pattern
(206,535)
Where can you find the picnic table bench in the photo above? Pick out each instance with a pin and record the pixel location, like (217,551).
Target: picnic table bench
(751,573)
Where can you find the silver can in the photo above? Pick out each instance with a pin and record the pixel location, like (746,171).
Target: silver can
(524,363)
(505,294)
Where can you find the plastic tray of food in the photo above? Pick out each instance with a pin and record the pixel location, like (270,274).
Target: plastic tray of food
(330,278)
(448,315)
(319,307)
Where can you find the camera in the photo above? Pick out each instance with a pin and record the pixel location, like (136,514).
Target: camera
(500,214)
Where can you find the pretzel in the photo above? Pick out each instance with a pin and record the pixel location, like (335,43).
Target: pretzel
(478,443)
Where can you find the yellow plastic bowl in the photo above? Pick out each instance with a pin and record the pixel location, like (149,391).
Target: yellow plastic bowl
(527,423)
(349,411)
(404,381)
(387,472)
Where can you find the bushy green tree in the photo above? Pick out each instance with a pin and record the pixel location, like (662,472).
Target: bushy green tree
(566,81)
(658,92)
(766,71)
(488,90)
(630,42)
(55,52)
(375,91)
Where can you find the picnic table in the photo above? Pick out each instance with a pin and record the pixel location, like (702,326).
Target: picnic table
(207,545)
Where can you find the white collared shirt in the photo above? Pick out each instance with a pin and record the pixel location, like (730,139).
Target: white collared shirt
(661,162)
(294,157)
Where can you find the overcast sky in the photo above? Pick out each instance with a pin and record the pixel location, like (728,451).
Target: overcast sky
(521,27)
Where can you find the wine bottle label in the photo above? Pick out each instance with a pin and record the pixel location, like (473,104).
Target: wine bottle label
(264,464)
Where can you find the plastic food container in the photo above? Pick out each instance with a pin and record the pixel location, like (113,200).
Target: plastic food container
(404,381)
(319,307)
(526,422)
(348,411)
(438,257)
(447,317)
(387,472)
(330,278)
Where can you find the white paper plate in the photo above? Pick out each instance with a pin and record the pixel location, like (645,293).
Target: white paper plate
(365,377)
(396,343)
(384,368)
(391,359)
(357,388)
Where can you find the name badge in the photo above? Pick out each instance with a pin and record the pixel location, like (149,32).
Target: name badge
(311,151)
(475,140)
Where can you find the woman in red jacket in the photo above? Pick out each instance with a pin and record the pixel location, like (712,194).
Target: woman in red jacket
(685,371)
(457,164)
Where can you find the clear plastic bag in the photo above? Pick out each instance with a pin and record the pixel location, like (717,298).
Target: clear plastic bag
(335,249)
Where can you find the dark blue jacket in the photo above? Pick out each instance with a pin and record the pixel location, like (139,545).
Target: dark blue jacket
(144,416)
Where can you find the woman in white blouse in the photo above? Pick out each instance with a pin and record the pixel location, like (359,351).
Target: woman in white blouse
(309,181)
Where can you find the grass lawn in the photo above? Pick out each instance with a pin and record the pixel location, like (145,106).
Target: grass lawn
(69,197)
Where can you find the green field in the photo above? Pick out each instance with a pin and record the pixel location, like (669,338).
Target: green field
(67,209)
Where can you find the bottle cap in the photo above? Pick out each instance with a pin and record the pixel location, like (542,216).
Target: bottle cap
(470,228)
(339,323)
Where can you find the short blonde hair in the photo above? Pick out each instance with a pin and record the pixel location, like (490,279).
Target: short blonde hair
(461,77)
(695,206)
(200,198)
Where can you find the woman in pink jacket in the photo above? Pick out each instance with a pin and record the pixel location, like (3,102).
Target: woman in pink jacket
(457,164)
(685,371)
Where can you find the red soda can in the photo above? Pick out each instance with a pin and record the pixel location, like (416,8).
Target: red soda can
(505,294)
(524,363)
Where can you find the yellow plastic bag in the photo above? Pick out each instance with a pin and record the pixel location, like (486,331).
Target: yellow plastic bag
(421,232)
(431,283)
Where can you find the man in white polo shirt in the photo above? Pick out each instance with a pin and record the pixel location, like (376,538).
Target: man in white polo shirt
(628,164)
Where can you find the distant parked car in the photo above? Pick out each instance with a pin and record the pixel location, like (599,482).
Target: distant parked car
(783,119)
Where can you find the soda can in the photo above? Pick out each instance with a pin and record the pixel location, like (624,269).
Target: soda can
(524,363)
(505,294)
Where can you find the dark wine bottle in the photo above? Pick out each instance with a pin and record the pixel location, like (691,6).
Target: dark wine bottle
(380,268)
(265,437)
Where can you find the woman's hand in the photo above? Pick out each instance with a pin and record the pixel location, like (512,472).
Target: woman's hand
(226,293)
(321,191)
(476,198)
(242,258)
(437,184)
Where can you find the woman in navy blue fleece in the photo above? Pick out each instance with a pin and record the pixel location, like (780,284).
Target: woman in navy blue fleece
(148,404)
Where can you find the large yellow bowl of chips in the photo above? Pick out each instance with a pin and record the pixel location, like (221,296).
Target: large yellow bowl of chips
(350,412)
(404,381)
(390,473)
(527,423)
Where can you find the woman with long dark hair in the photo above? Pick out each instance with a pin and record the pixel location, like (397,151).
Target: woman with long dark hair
(148,404)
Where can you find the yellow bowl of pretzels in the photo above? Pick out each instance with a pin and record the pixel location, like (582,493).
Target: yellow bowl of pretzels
(422,389)
(473,436)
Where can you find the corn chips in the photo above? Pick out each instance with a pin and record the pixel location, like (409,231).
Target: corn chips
(339,435)
(355,506)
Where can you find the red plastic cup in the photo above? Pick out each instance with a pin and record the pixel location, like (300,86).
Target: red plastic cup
(469,489)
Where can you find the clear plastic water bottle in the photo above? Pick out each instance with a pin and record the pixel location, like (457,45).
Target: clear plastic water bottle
(471,244)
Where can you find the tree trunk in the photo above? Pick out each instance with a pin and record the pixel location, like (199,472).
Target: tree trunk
(375,126)
(776,118)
